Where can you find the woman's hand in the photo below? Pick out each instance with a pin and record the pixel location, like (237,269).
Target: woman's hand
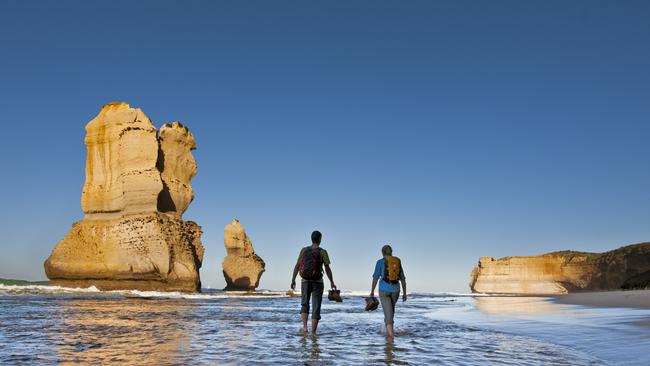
(293,284)
(404,297)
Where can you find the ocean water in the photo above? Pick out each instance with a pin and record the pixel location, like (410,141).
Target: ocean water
(48,325)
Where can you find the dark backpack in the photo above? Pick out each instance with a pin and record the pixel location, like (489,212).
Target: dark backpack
(310,264)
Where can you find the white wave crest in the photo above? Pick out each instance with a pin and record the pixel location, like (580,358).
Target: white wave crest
(44,289)
(92,290)
(207,294)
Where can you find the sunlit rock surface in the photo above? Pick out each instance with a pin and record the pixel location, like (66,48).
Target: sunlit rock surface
(137,188)
(178,167)
(121,173)
(563,272)
(242,268)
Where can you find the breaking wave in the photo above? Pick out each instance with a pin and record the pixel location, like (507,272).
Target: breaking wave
(207,293)
(92,290)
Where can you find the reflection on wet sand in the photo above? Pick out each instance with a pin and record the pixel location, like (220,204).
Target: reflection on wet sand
(124,331)
(240,330)
(514,304)
(389,352)
(311,352)
(528,307)
(607,333)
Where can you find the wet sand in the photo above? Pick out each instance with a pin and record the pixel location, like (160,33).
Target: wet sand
(610,299)
(617,335)
(49,325)
(639,299)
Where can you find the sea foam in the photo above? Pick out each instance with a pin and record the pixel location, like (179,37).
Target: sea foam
(206,294)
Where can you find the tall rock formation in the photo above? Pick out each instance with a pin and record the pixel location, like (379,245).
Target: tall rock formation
(563,272)
(242,268)
(137,188)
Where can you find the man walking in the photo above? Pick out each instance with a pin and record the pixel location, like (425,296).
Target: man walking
(310,265)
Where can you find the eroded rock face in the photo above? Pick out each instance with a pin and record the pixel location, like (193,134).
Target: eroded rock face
(178,167)
(121,173)
(132,235)
(242,268)
(564,272)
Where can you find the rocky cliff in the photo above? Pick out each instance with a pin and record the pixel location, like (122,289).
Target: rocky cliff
(242,268)
(563,272)
(136,190)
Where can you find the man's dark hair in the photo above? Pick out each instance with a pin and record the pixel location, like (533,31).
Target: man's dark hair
(387,250)
(316,236)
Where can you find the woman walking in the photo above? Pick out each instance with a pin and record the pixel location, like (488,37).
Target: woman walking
(389,273)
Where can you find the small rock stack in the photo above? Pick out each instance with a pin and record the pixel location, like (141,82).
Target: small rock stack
(242,268)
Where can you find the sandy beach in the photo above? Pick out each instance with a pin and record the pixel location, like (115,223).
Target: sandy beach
(623,299)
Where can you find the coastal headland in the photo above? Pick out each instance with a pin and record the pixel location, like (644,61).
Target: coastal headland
(564,272)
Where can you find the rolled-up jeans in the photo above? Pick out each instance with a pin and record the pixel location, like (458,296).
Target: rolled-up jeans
(388,301)
(314,290)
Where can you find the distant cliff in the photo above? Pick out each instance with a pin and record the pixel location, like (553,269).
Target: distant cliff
(563,272)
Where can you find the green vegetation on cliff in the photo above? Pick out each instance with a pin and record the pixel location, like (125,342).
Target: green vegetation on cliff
(10,282)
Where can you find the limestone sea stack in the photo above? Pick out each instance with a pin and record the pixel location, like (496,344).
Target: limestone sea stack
(137,188)
(564,272)
(242,268)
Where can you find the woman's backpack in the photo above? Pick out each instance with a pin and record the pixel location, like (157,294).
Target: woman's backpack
(392,269)
(310,264)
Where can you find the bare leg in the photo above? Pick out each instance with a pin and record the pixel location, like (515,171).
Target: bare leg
(314,325)
(304,321)
(389,331)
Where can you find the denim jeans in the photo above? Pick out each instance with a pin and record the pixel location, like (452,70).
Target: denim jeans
(388,301)
(314,290)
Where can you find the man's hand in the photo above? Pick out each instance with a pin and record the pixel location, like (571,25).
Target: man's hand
(404,297)
(293,284)
(372,294)
(333,286)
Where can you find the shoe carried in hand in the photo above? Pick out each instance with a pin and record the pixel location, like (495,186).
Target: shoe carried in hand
(334,295)
(371,303)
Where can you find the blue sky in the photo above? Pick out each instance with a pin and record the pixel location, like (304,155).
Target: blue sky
(451,130)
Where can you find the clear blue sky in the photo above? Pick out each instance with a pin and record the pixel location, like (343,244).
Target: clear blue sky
(450,129)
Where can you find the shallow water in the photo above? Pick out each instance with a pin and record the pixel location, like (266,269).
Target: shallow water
(53,325)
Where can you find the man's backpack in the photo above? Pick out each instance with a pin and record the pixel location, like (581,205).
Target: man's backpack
(310,264)
(392,269)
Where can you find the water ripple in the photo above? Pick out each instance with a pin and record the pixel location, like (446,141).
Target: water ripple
(109,328)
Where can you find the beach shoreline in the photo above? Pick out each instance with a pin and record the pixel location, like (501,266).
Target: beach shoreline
(610,299)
